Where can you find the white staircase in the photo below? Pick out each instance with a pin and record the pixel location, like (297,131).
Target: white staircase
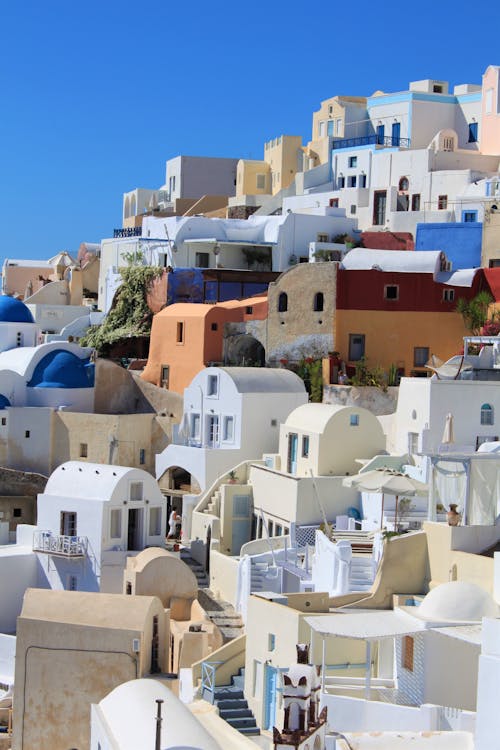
(213,505)
(362,573)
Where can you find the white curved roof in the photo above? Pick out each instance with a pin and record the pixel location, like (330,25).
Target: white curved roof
(462,277)
(400,261)
(457,601)
(24,359)
(316,417)
(263,380)
(137,699)
(93,481)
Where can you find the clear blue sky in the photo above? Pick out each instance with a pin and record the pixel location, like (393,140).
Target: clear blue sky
(97,95)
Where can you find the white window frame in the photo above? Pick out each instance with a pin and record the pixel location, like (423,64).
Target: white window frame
(226,421)
(131,491)
(115,513)
(155,513)
(212,379)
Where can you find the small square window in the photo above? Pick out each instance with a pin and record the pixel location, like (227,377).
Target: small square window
(17,512)
(274,422)
(442,202)
(420,356)
(351,181)
(249,310)
(353,208)
(448,295)
(261,181)
(354,420)
(353,162)
(391,291)
(135,492)
(27,433)
(214,326)
(202,260)
(83,450)
(4,421)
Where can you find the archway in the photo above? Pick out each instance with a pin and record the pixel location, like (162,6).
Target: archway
(246,351)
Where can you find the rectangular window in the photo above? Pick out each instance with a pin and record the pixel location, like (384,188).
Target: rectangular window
(202,260)
(420,356)
(362,180)
(353,208)
(68,523)
(17,512)
(486,414)
(214,326)
(353,162)
(391,291)
(72,583)
(469,216)
(155,522)
(115,524)
(83,450)
(228,430)
(356,346)
(442,202)
(407,653)
(142,456)
(165,375)
(261,181)
(305,446)
(472,132)
(321,237)
(321,128)
(195,425)
(27,433)
(415,202)
(271,642)
(213,382)
(488,109)
(354,420)
(341,182)
(448,295)
(135,491)
(330,127)
(351,181)
(412,443)
(339,127)
(180,332)
(249,310)
(4,421)
(270,528)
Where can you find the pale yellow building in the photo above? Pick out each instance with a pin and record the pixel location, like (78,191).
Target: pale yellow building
(283,158)
(72,649)
(334,119)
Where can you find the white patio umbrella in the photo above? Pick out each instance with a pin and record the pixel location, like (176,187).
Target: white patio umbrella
(387,482)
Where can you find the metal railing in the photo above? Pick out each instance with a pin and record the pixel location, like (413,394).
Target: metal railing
(375,140)
(127,232)
(59,544)
(208,672)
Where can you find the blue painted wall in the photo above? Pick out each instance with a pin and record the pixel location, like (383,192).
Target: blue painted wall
(460,241)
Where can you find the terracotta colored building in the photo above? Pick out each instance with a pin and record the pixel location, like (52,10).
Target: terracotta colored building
(186,337)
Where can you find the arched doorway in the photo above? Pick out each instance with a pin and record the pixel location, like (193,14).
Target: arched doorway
(246,351)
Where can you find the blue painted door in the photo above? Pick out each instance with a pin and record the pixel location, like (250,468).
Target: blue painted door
(396,133)
(293,441)
(270,697)
(380,134)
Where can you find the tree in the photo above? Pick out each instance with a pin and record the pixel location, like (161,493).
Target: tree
(475,311)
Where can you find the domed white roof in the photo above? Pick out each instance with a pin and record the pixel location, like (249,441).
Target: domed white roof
(458,601)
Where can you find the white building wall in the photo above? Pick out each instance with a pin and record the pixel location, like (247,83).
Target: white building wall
(488,687)
(18,571)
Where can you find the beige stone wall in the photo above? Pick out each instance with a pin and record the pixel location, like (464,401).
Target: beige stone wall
(61,668)
(300,331)
(491,235)
(26,505)
(282,155)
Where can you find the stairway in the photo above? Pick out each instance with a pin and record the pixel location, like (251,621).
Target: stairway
(213,505)
(233,707)
(198,570)
(361,573)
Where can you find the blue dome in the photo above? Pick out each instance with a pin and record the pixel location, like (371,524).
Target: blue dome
(12,310)
(4,401)
(62,369)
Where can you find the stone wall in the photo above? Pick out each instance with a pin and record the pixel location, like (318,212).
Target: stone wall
(376,400)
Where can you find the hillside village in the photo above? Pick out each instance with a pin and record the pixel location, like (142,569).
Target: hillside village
(249,448)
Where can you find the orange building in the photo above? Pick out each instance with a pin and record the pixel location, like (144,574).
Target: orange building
(186,337)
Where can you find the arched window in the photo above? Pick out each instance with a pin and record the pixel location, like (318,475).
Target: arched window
(404,184)
(486,414)
(318,302)
(283,302)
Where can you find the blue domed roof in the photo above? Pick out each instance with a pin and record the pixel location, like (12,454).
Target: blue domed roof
(4,401)
(62,369)
(12,310)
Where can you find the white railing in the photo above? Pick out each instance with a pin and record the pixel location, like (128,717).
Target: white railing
(59,544)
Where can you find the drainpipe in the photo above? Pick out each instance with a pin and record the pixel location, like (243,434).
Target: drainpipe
(158,724)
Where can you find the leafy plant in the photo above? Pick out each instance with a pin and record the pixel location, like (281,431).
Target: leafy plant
(257,256)
(392,375)
(369,376)
(475,311)
(311,372)
(133,258)
(130,315)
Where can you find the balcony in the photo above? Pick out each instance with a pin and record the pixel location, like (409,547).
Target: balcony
(372,140)
(127,232)
(60,545)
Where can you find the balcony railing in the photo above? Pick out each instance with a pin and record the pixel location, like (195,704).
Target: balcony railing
(58,544)
(375,140)
(127,232)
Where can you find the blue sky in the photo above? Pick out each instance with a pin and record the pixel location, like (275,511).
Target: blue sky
(96,96)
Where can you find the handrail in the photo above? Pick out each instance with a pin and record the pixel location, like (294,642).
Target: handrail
(375,140)
(60,544)
(208,673)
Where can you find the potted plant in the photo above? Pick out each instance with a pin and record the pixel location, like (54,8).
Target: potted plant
(232,477)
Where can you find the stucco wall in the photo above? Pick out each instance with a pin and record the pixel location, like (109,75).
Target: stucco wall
(460,241)
(376,400)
